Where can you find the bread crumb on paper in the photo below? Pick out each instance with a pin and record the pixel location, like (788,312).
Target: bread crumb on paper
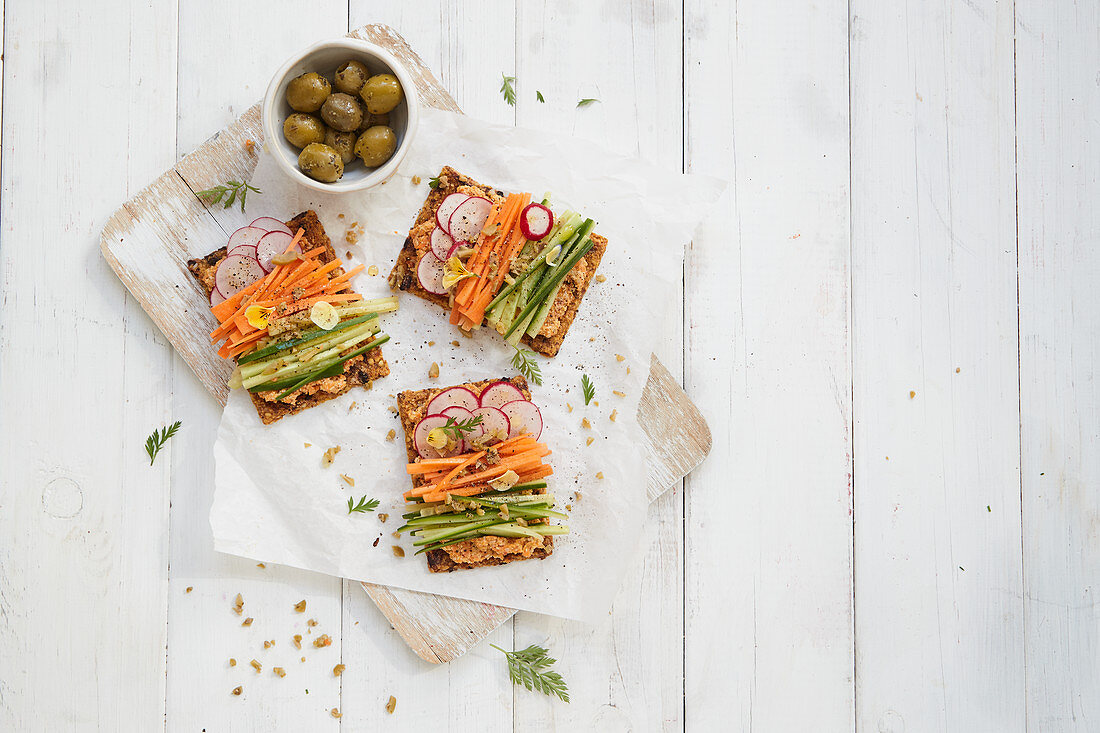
(398,551)
(330,456)
(322,641)
(338,670)
(189,589)
(247,621)
(238,690)
(391,435)
(238,605)
(391,704)
(433,371)
(279,671)
(335,712)
(232,662)
(300,606)
(256,666)
(297,639)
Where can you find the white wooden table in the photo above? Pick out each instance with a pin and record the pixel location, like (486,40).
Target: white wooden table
(892,329)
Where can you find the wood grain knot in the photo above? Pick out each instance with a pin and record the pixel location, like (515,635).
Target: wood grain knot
(62,498)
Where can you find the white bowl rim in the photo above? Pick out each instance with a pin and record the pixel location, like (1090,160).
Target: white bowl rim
(379,175)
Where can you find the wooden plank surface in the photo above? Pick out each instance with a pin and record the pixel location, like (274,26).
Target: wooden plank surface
(1058,174)
(768,607)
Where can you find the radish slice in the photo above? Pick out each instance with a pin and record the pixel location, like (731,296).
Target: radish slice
(446,208)
(430,273)
(442,244)
(457,412)
(236,272)
(456,247)
(273,243)
(500,393)
(244,250)
(271,225)
(455,396)
(216,297)
(469,218)
(494,424)
(420,438)
(244,237)
(524,417)
(536,221)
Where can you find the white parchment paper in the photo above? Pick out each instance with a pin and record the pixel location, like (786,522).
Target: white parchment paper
(275,502)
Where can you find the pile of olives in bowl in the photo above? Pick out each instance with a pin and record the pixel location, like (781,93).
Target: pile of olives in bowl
(335,122)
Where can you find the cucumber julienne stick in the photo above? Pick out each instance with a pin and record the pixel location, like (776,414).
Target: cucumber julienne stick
(568,224)
(333,370)
(546,287)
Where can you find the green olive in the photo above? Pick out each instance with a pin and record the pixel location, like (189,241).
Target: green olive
(382,93)
(376,145)
(343,143)
(351,76)
(370,120)
(342,112)
(306,93)
(301,129)
(322,163)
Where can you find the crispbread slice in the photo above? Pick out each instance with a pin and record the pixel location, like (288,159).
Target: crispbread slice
(410,408)
(564,310)
(360,374)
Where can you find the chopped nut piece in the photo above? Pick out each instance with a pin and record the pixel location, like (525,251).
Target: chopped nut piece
(431,343)
(372,270)
(352,405)
(391,435)
(569,406)
(338,670)
(297,638)
(433,371)
(232,662)
(330,456)
(311,623)
(348,479)
(302,659)
(599,475)
(279,671)
(247,621)
(397,535)
(300,606)
(576,496)
(335,712)
(260,565)
(912,394)
(382,517)
(391,705)
(620,357)
(307,445)
(957,370)
(599,278)
(267,644)
(590,441)
(416,180)
(256,666)
(250,146)
(189,589)
(585,423)
(322,641)
(628,370)
(455,343)
(398,552)
(238,604)
(596,403)
(613,414)
(238,690)
(617,393)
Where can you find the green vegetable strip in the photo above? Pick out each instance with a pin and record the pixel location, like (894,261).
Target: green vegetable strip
(333,370)
(267,351)
(546,287)
(316,368)
(296,367)
(320,340)
(535,324)
(565,230)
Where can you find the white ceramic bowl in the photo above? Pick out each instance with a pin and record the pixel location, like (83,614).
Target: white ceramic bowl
(324,58)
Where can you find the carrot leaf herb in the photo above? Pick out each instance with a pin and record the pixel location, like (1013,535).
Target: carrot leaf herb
(457,428)
(586,102)
(433,182)
(363,506)
(156,441)
(530,667)
(524,362)
(588,388)
(508,90)
(538,96)
(236,190)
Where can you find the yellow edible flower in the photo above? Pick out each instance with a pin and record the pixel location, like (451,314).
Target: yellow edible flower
(454,272)
(257,315)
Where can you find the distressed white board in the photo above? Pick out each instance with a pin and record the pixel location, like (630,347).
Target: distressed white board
(937,507)
(768,607)
(1058,174)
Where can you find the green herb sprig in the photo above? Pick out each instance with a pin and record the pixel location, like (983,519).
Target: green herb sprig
(538,96)
(587,101)
(236,190)
(433,182)
(363,506)
(156,441)
(524,362)
(456,428)
(508,90)
(588,388)
(529,667)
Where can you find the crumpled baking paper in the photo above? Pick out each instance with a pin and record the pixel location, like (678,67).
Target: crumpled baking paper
(274,501)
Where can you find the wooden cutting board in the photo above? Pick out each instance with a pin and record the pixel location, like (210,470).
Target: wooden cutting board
(143,244)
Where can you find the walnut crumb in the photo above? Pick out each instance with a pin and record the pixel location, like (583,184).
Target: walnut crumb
(238,604)
(391,704)
(238,690)
(416,180)
(601,279)
(268,643)
(397,535)
(189,589)
(330,456)
(957,370)
(431,343)
(382,517)
(307,445)
(256,666)
(455,343)
(372,270)
(628,370)
(247,621)
(232,662)
(577,496)
(599,475)
(335,712)
(590,441)
(617,393)
(300,606)
(302,659)
(614,413)
(260,565)
(352,405)
(279,671)
(912,394)
(311,623)
(433,371)
(338,670)
(250,146)
(391,435)
(348,479)
(569,406)
(620,357)
(322,641)
(297,639)
(585,423)
(398,552)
